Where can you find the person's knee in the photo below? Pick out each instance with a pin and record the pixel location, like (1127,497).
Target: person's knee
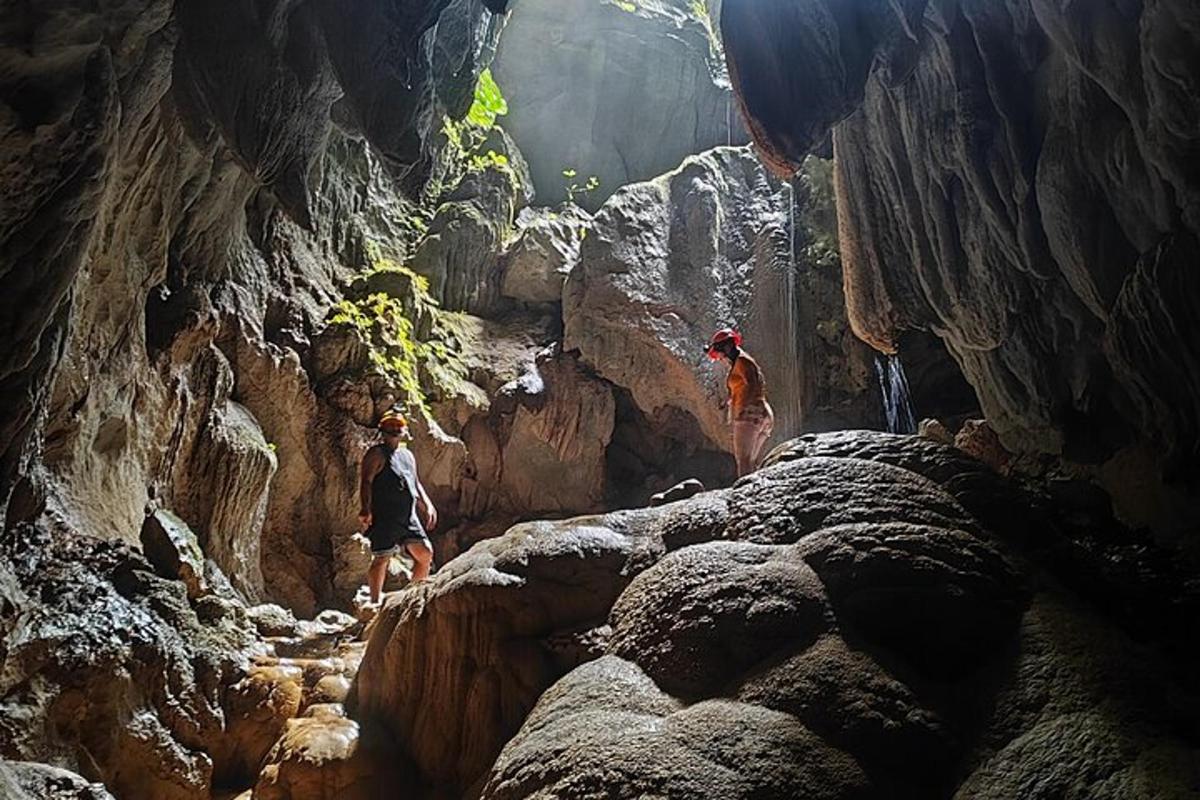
(421,553)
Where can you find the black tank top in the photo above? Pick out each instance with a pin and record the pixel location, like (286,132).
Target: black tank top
(391,498)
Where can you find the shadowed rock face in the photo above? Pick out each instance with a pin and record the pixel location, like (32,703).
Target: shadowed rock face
(1019,178)
(149,146)
(837,625)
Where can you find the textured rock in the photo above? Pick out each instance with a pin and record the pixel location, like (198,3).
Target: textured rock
(667,262)
(319,758)
(848,675)
(450,693)
(460,256)
(109,670)
(27,781)
(623,92)
(172,548)
(1040,229)
(544,253)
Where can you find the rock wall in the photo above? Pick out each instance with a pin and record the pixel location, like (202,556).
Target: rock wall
(618,90)
(1019,179)
(667,262)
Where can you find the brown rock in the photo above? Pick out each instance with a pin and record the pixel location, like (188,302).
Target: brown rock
(171,547)
(320,757)
(978,439)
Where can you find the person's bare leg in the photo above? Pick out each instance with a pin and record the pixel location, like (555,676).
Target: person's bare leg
(760,440)
(422,557)
(376,574)
(744,434)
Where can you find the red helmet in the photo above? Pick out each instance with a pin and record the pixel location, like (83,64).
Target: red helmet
(721,336)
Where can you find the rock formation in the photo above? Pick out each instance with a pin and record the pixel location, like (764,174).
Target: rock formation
(863,618)
(1020,180)
(622,91)
(667,262)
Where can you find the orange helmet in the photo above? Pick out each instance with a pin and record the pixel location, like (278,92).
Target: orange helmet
(392,421)
(720,337)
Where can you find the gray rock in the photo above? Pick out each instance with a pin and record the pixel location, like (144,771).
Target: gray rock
(23,780)
(667,262)
(623,92)
(1046,232)
(173,549)
(544,253)
(680,491)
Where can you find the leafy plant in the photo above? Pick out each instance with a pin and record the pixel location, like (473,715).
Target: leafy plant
(489,102)
(574,189)
(416,365)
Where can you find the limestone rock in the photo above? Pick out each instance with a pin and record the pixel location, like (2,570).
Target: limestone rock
(680,491)
(976,438)
(173,550)
(113,671)
(21,780)
(668,262)
(272,620)
(624,93)
(815,618)
(1041,231)
(319,757)
(935,431)
(544,253)
(460,255)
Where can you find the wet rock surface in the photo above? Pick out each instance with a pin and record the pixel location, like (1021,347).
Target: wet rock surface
(808,631)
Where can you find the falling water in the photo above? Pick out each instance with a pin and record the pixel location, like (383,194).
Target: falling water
(893,385)
(729,118)
(789,401)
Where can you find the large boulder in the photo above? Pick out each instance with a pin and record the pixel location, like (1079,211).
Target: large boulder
(667,262)
(110,670)
(619,91)
(836,625)
(544,253)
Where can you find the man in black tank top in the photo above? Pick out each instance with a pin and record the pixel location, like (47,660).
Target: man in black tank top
(395,510)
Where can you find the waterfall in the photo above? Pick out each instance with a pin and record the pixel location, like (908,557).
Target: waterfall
(897,403)
(729,118)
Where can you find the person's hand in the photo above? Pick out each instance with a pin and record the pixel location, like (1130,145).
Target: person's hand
(431,517)
(364,519)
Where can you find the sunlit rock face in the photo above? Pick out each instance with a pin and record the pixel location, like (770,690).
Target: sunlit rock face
(1019,178)
(669,261)
(622,91)
(861,618)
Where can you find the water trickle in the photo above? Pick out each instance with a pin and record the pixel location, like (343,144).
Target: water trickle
(789,368)
(897,403)
(729,119)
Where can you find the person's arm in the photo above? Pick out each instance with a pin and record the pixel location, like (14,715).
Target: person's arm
(425,507)
(424,504)
(372,463)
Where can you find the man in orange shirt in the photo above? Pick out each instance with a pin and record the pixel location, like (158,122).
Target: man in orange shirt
(750,415)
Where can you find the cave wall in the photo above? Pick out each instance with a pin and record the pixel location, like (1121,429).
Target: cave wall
(180,212)
(1018,178)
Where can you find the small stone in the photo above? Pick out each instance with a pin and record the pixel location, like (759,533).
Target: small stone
(174,551)
(680,491)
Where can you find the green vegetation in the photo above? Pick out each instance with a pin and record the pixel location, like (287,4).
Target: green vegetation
(413,343)
(574,189)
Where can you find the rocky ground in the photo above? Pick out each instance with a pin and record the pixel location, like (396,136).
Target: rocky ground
(868,616)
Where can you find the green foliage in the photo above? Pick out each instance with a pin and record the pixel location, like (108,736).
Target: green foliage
(489,102)
(625,5)
(418,366)
(574,189)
